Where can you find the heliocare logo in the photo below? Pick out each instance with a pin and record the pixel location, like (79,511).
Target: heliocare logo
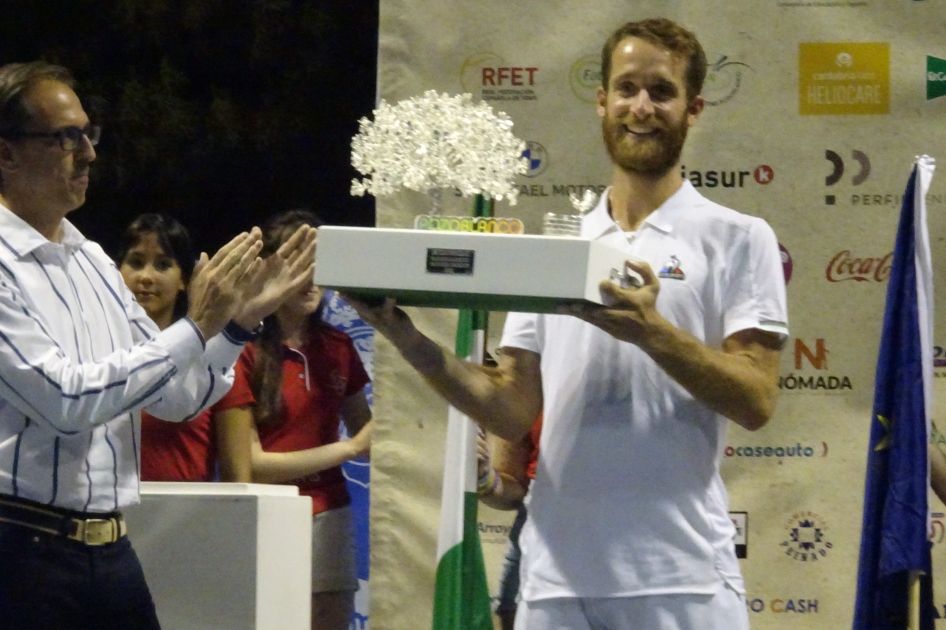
(935,77)
(843,78)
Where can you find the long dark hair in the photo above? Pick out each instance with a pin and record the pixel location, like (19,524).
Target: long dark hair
(266,379)
(173,238)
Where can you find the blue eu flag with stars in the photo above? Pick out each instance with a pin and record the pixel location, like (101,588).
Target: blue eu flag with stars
(895,523)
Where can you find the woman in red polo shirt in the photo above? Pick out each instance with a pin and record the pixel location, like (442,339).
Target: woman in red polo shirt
(156,259)
(304,376)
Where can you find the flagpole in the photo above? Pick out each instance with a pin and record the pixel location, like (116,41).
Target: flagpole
(461,595)
(895,551)
(913,618)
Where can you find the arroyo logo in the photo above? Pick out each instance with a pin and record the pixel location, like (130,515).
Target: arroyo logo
(935,77)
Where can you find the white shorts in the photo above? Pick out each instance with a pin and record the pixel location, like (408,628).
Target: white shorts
(333,551)
(725,610)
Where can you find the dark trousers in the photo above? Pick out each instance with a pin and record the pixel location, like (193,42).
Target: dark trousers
(49,582)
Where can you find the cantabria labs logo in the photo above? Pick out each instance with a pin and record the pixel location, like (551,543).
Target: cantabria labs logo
(935,77)
(843,78)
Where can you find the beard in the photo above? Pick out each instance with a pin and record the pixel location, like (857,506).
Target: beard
(653,156)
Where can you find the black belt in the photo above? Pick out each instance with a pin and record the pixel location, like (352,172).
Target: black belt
(89,529)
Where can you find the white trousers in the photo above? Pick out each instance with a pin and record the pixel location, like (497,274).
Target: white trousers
(724,610)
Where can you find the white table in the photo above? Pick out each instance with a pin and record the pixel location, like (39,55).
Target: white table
(223,556)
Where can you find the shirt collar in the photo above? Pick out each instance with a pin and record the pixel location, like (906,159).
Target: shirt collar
(599,221)
(21,238)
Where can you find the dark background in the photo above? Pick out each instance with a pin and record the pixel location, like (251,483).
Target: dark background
(217,112)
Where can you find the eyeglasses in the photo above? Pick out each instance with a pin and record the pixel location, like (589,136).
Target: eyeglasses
(69,137)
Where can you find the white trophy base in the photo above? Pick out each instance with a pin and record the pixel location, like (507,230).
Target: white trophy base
(495,272)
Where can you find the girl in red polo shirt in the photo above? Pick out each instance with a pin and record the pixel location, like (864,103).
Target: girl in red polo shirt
(156,258)
(304,376)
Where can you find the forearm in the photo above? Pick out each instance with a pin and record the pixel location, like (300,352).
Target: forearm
(269,467)
(735,384)
(507,495)
(201,383)
(235,471)
(487,395)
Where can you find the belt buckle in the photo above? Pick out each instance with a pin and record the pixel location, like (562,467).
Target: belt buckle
(99,531)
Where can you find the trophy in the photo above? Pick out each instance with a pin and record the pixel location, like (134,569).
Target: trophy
(439,142)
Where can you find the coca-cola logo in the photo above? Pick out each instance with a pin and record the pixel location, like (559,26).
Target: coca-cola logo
(844,266)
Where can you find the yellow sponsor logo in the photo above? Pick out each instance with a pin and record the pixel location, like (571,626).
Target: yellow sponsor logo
(843,78)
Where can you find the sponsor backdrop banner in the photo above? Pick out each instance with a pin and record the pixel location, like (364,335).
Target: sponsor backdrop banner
(815,112)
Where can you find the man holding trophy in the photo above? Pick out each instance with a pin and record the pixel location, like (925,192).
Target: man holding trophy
(628,521)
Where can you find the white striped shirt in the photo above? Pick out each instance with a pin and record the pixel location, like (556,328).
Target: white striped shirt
(79,359)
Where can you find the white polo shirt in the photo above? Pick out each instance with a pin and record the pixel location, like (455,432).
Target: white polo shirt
(627,498)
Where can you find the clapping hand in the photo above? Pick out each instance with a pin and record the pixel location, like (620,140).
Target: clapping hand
(217,284)
(278,277)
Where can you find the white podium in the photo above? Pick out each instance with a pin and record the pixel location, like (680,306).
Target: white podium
(222,556)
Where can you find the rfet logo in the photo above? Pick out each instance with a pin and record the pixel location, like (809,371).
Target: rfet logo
(807,539)
(496,80)
(846,266)
(787,264)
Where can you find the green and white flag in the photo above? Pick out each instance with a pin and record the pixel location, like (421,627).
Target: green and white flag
(461,596)
(935,77)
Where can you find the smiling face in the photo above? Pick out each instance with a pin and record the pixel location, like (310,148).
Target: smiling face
(154,277)
(645,113)
(52,179)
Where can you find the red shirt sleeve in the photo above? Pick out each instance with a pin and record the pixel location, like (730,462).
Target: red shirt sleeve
(534,434)
(240,394)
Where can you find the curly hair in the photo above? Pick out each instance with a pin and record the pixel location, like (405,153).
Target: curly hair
(665,34)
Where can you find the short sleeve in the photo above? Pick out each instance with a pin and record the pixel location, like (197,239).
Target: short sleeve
(240,393)
(357,376)
(521,331)
(754,295)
